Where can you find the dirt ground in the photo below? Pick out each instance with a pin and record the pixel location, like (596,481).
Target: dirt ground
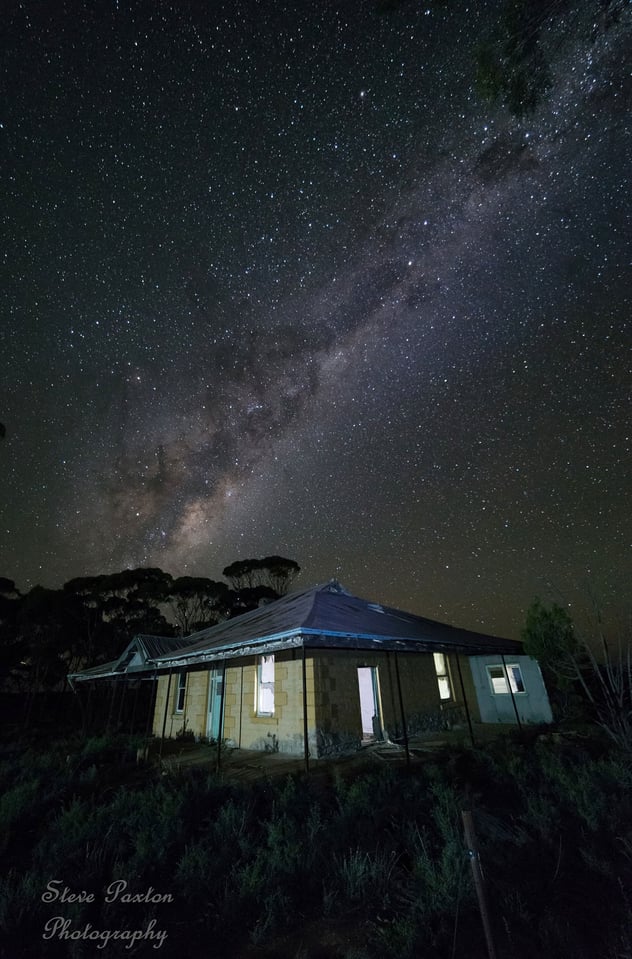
(244,765)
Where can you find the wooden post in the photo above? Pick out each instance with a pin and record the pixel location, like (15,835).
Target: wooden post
(394,705)
(164,720)
(134,705)
(305,725)
(112,697)
(479,882)
(511,692)
(186,702)
(221,719)
(152,704)
(401,709)
(89,708)
(467,708)
(82,711)
(241,701)
(119,718)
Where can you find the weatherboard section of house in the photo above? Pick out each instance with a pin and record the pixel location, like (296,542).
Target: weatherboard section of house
(334,668)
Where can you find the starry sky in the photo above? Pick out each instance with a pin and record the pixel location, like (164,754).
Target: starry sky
(276,280)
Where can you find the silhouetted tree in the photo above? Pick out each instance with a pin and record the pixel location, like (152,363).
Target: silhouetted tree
(572,661)
(280,572)
(197,602)
(43,624)
(12,647)
(116,606)
(249,598)
(275,572)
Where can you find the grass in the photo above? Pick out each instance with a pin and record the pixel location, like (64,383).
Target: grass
(371,866)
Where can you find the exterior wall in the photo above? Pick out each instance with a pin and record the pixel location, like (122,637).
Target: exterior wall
(337,697)
(468,685)
(233,703)
(282,732)
(532,705)
(333,699)
(195,701)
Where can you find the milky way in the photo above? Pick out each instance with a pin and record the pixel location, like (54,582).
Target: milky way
(285,284)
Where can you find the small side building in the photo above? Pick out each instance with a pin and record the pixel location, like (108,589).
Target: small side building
(320,672)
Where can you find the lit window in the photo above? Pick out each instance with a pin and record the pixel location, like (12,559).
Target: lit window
(498,679)
(443,676)
(264,702)
(181,692)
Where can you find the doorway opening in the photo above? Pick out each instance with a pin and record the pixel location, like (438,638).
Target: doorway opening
(368,685)
(215,697)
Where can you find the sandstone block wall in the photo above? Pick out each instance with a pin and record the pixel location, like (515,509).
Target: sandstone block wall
(333,700)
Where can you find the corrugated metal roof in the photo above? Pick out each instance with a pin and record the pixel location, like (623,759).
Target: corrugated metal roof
(95,672)
(325,616)
(136,656)
(329,616)
(154,646)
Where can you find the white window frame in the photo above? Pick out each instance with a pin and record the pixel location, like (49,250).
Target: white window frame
(444,680)
(181,692)
(264,688)
(498,683)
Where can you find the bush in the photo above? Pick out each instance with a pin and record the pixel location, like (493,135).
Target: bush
(382,853)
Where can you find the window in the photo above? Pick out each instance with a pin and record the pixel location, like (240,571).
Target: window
(264,694)
(181,692)
(443,676)
(498,679)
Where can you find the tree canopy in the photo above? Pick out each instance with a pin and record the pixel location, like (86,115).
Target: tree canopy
(584,667)
(548,635)
(197,602)
(275,572)
(47,633)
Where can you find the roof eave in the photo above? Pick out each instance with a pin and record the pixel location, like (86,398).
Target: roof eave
(252,647)
(316,638)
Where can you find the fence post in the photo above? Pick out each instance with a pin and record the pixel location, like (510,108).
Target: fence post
(479,882)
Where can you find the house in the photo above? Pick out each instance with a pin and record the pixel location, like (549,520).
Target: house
(319,671)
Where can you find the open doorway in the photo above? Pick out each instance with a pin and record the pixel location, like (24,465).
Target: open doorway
(368,685)
(215,697)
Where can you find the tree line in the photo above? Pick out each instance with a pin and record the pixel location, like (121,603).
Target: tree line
(587,675)
(47,633)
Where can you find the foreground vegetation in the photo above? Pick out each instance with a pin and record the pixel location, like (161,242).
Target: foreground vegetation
(360,866)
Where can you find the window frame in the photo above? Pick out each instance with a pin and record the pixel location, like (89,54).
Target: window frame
(508,678)
(444,676)
(181,693)
(264,686)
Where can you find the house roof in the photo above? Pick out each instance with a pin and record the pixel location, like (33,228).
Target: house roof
(135,658)
(329,616)
(325,616)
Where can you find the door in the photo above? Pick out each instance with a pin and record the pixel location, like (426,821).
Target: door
(215,699)
(368,685)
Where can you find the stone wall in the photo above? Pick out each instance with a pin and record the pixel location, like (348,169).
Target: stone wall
(193,716)
(281,732)
(338,711)
(333,700)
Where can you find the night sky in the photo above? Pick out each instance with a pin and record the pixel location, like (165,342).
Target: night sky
(275,279)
